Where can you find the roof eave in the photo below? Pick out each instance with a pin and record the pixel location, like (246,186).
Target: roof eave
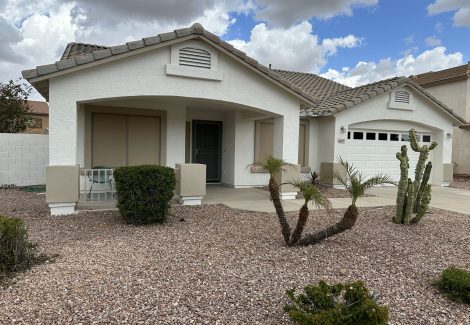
(35,78)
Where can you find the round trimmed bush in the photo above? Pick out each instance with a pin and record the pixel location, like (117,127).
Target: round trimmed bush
(339,304)
(144,193)
(455,284)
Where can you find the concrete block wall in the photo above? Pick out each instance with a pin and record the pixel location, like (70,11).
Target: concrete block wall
(23,159)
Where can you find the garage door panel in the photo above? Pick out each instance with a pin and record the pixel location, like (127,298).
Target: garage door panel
(373,157)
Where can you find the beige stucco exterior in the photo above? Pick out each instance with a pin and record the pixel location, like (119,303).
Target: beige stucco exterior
(39,124)
(456,95)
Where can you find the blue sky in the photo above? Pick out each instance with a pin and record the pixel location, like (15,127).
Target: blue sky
(350,41)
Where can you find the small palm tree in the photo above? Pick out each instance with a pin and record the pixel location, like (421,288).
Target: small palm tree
(310,193)
(273,166)
(356,184)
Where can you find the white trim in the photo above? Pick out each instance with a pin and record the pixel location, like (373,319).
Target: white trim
(190,200)
(60,209)
(196,73)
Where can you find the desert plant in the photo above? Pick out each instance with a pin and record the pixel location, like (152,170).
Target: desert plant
(17,253)
(455,284)
(356,184)
(413,197)
(144,192)
(341,304)
(273,166)
(310,193)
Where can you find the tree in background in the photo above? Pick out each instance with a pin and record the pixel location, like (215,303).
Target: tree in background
(14,107)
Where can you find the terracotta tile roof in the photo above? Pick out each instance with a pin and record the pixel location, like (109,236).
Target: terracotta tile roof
(37,107)
(77,54)
(442,76)
(315,85)
(338,102)
(73,49)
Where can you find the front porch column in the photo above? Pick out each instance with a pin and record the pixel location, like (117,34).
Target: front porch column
(62,175)
(175,136)
(286,146)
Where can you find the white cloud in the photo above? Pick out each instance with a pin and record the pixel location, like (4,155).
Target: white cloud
(295,48)
(432,41)
(367,72)
(285,13)
(460,7)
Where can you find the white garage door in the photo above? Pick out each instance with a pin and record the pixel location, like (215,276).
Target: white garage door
(374,151)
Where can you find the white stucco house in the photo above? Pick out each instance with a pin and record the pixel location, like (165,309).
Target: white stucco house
(189,97)
(452,87)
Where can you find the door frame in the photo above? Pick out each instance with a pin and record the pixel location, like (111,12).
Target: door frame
(194,123)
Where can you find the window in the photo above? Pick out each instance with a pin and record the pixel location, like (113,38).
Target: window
(370,136)
(358,136)
(405,137)
(124,140)
(349,135)
(394,137)
(426,138)
(194,57)
(264,141)
(35,123)
(303,144)
(383,136)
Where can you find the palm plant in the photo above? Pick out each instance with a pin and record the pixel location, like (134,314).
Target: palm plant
(310,193)
(273,166)
(356,184)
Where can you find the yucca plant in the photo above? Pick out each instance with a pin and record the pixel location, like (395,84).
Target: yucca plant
(356,184)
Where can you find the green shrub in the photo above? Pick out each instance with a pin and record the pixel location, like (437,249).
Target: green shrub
(338,304)
(16,252)
(144,192)
(455,284)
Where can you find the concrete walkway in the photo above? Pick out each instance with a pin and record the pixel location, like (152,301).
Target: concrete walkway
(255,199)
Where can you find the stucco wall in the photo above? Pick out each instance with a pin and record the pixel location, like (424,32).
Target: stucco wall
(456,95)
(23,159)
(424,113)
(144,75)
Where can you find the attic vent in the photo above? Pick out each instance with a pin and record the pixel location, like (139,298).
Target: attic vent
(194,57)
(402,96)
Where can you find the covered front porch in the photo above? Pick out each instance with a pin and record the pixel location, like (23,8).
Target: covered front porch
(224,137)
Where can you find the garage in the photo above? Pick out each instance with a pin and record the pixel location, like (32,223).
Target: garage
(373,151)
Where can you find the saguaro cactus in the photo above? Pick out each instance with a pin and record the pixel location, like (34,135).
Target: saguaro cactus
(413,197)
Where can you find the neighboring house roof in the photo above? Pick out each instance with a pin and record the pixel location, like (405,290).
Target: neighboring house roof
(73,49)
(346,99)
(38,108)
(431,78)
(313,84)
(39,76)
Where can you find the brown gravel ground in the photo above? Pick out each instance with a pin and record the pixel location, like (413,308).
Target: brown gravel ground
(222,266)
(462,182)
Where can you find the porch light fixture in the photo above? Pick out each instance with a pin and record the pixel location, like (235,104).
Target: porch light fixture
(342,129)
(449,135)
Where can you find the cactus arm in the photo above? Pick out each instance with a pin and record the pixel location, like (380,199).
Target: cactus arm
(423,207)
(424,183)
(402,185)
(414,141)
(409,202)
(432,146)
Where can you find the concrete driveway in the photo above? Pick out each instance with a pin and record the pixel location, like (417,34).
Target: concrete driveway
(255,199)
(446,198)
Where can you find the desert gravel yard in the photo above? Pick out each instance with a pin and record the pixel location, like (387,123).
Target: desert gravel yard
(222,266)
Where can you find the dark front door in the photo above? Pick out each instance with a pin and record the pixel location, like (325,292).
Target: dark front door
(207,145)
